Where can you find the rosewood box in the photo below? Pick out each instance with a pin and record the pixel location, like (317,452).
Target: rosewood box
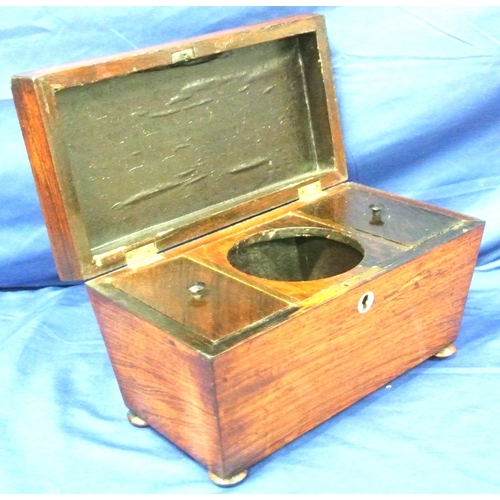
(246,292)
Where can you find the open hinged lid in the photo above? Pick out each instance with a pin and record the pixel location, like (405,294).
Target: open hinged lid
(168,143)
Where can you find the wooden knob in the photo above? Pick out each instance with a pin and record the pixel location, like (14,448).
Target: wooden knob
(197,289)
(376,209)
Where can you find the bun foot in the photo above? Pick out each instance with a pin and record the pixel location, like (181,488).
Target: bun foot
(446,352)
(135,420)
(231,481)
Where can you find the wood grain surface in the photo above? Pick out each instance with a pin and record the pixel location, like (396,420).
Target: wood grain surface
(29,99)
(231,409)
(280,384)
(167,384)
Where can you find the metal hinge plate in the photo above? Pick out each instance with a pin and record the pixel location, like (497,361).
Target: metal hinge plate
(182,55)
(109,258)
(311,191)
(142,256)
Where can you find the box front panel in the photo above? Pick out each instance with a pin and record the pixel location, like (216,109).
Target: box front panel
(276,386)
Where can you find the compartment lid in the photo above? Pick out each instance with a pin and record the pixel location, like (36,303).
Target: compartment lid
(168,143)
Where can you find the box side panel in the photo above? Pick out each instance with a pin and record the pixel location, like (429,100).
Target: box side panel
(286,381)
(167,384)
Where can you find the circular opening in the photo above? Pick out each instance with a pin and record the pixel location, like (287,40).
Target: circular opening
(296,254)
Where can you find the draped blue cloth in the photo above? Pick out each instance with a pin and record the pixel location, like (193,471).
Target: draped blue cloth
(419,95)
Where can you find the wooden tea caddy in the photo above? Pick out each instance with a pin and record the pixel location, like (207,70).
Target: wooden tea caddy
(282,294)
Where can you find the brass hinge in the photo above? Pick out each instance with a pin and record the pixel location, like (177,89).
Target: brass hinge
(109,258)
(311,191)
(142,256)
(182,55)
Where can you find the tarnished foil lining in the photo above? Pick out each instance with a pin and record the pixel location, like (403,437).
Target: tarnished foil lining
(161,146)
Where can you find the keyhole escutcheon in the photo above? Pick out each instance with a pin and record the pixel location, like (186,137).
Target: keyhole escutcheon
(365,302)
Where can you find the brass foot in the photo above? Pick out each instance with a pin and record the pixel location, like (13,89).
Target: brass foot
(135,420)
(231,481)
(446,352)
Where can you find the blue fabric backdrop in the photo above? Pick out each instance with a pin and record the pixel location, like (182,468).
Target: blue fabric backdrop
(419,94)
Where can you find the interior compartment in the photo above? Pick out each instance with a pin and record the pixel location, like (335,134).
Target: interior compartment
(296,254)
(206,301)
(401,222)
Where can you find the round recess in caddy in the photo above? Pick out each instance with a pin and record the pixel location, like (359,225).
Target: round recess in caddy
(296,254)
